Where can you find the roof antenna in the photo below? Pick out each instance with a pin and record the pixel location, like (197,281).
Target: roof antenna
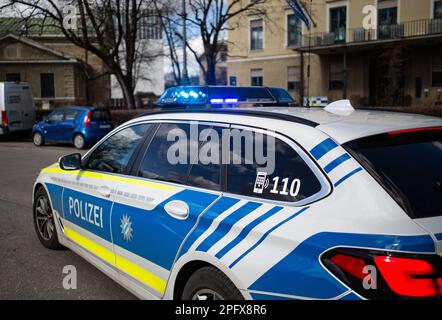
(340,107)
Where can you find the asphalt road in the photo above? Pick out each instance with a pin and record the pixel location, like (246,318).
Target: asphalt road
(27,269)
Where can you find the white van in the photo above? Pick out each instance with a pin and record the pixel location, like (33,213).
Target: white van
(17,108)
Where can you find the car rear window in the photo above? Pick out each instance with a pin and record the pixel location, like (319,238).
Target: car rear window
(282,95)
(408,164)
(101,115)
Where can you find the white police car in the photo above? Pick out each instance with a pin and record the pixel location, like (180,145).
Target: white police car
(309,204)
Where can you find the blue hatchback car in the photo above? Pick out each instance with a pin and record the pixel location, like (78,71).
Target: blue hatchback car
(78,125)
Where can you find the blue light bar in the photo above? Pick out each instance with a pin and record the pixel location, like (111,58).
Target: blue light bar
(219,101)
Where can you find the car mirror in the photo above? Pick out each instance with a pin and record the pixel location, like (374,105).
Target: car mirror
(45,119)
(70,162)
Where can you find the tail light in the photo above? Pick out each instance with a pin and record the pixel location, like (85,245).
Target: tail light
(381,275)
(4,119)
(87,119)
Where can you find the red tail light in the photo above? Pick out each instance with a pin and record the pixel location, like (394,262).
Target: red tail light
(409,277)
(352,265)
(87,119)
(4,119)
(395,275)
(415,130)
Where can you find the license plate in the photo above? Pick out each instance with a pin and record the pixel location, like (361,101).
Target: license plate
(105,126)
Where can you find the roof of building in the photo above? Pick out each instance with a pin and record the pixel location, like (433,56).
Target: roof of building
(39,46)
(343,128)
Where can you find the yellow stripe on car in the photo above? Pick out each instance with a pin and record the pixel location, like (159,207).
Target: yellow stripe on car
(141,274)
(96,175)
(100,251)
(121,263)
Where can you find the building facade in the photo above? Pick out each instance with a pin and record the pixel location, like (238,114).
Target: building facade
(149,68)
(58,72)
(375,52)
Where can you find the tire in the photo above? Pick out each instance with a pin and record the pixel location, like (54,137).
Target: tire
(209,283)
(79,141)
(37,139)
(44,222)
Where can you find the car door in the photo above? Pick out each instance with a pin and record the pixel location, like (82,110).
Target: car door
(152,217)
(68,124)
(88,194)
(271,181)
(51,129)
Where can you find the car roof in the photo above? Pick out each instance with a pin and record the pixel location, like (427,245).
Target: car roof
(342,128)
(76,108)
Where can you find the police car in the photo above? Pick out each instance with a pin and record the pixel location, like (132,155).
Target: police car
(316,204)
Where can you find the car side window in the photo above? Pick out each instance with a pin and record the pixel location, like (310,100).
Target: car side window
(71,115)
(113,155)
(56,116)
(166,158)
(281,174)
(207,172)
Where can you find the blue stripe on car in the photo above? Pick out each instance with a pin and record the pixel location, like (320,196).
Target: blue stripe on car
(206,220)
(265,235)
(347,176)
(439,236)
(226,225)
(246,230)
(265,296)
(335,163)
(300,273)
(323,148)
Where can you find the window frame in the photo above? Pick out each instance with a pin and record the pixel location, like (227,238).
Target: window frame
(324,181)
(433,9)
(139,154)
(42,88)
(251,20)
(16,75)
(130,164)
(298,29)
(145,147)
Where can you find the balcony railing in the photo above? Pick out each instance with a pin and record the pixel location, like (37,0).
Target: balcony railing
(410,29)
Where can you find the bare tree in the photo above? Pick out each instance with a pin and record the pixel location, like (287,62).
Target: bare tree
(110,29)
(208,20)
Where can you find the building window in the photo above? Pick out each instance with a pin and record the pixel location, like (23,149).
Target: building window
(338,23)
(13,77)
(256,77)
(47,85)
(256,34)
(387,19)
(294,30)
(438,9)
(436,71)
(150,26)
(336,77)
(293,78)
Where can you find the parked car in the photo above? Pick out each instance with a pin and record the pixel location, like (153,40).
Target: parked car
(350,209)
(223,96)
(78,125)
(283,97)
(17,109)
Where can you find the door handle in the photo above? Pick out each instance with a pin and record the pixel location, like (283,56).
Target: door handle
(177,209)
(104,191)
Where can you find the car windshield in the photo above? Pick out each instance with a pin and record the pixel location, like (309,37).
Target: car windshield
(408,164)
